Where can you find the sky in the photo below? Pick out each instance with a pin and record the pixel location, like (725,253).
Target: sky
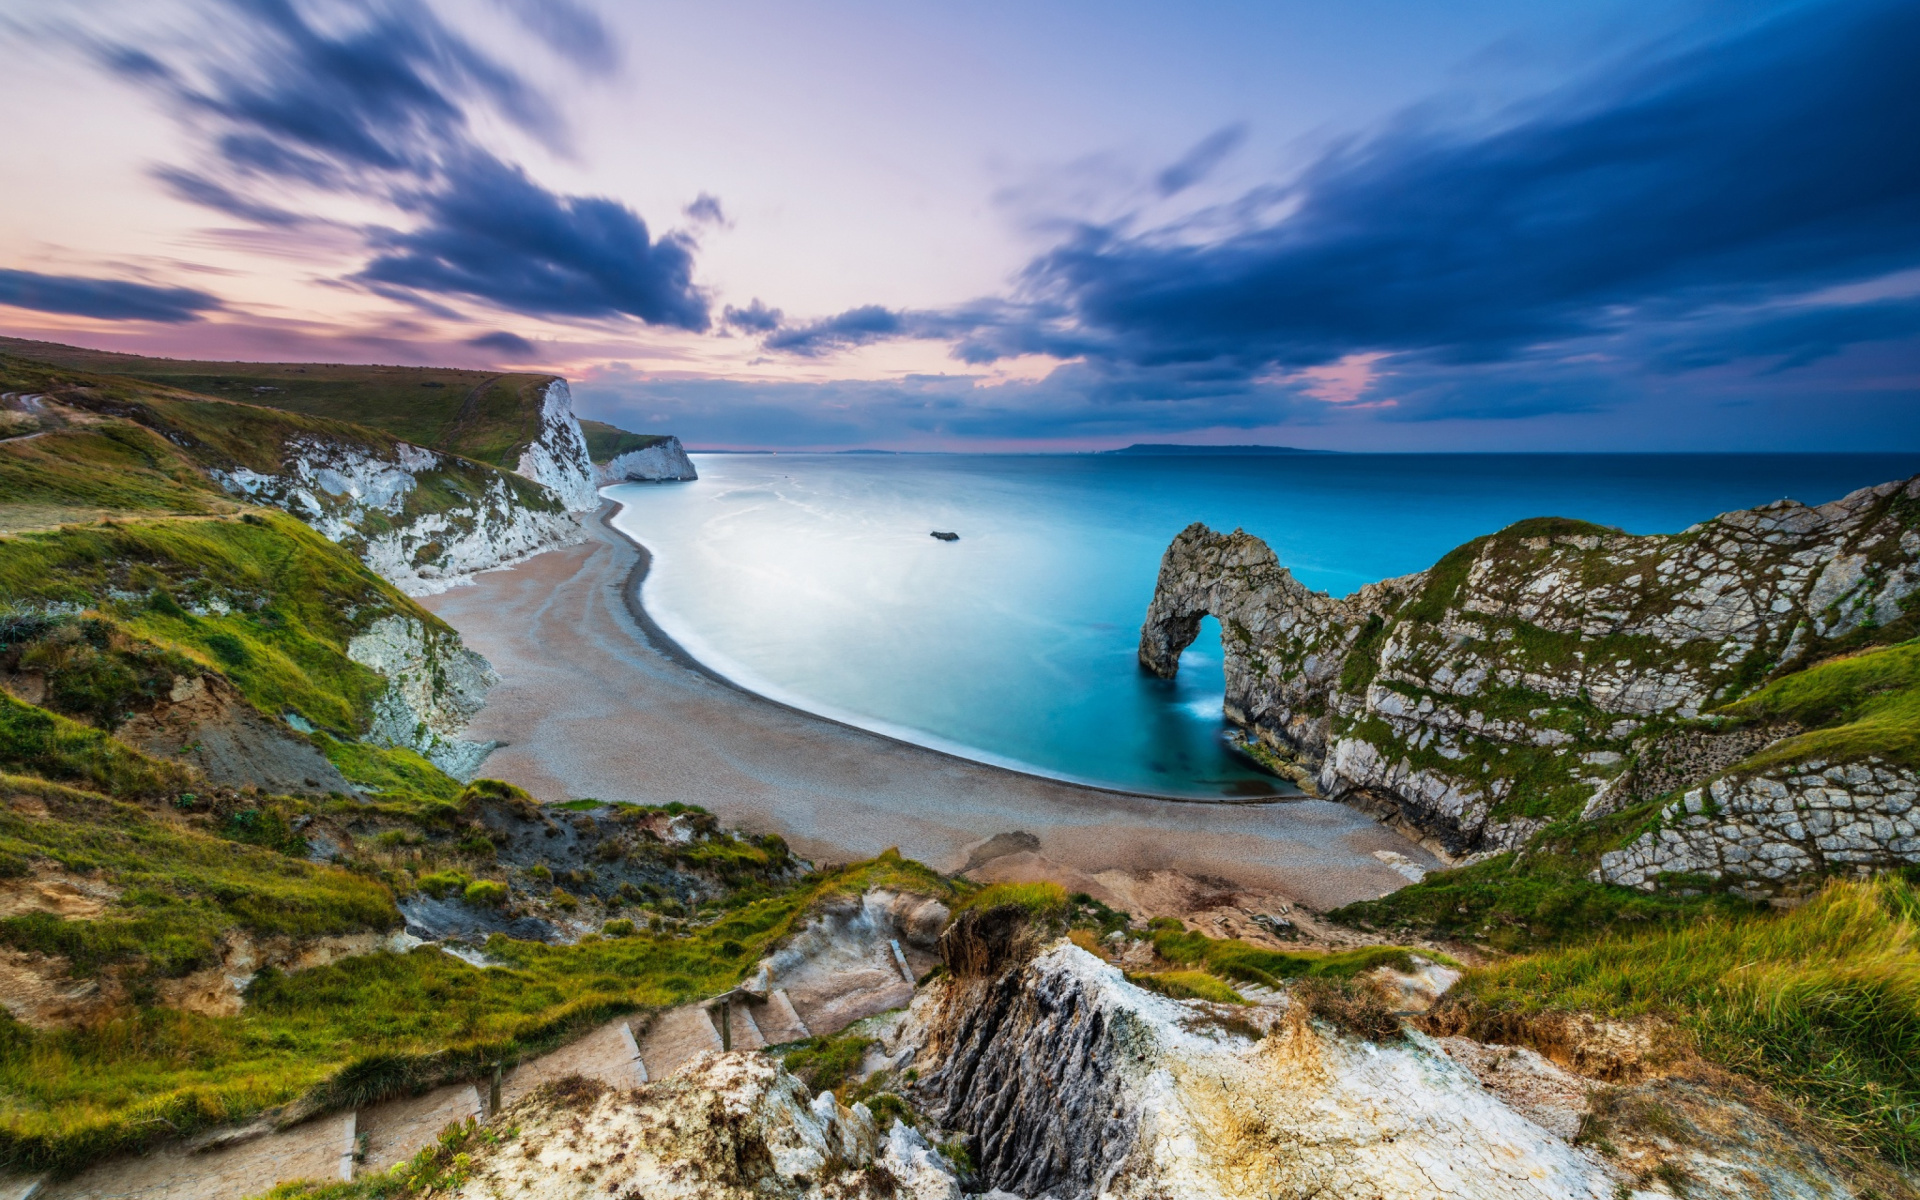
(1378,225)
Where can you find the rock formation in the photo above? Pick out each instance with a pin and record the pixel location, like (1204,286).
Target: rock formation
(1558,668)
(664,461)
(358,495)
(434,687)
(557,457)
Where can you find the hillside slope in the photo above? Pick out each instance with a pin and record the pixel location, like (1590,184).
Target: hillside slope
(90,445)
(522,423)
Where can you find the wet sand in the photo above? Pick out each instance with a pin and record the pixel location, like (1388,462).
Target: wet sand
(593,704)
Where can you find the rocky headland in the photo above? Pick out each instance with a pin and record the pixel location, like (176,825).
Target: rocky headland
(1558,671)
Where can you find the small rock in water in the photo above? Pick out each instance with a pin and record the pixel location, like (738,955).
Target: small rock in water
(944,536)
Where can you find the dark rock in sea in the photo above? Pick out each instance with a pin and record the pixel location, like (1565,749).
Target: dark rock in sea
(945,536)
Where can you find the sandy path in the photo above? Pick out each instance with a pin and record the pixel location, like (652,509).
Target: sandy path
(590,707)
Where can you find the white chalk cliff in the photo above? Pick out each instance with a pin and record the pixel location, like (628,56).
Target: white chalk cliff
(557,458)
(664,461)
(1559,670)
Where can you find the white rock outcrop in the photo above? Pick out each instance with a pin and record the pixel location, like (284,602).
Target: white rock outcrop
(724,1126)
(557,457)
(434,687)
(1076,1084)
(358,495)
(1778,825)
(1540,672)
(664,461)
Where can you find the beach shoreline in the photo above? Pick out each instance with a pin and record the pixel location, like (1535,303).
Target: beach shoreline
(593,703)
(664,643)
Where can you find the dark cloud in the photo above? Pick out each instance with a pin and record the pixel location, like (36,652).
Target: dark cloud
(1667,216)
(510,344)
(1794,338)
(755,318)
(373,98)
(1199,162)
(706,210)
(1770,164)
(378,87)
(105,299)
(494,234)
(855,327)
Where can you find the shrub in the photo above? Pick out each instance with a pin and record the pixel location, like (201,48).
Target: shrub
(485,893)
(438,883)
(618,928)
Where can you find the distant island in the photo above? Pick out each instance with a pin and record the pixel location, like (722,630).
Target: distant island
(1171,449)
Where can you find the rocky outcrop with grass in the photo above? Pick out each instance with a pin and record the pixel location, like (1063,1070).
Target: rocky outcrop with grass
(664,461)
(557,456)
(1555,668)
(424,521)
(1069,1081)
(435,685)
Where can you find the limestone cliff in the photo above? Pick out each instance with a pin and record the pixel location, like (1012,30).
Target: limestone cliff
(557,457)
(1556,669)
(434,687)
(666,460)
(424,521)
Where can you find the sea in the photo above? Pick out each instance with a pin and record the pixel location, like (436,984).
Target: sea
(813,579)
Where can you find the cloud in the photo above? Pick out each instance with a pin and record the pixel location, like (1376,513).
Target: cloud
(374,99)
(576,33)
(1670,214)
(1772,163)
(104,299)
(754,318)
(1199,162)
(706,210)
(510,344)
(494,234)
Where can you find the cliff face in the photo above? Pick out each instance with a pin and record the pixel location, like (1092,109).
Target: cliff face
(1553,669)
(1073,1083)
(557,457)
(424,521)
(435,685)
(665,460)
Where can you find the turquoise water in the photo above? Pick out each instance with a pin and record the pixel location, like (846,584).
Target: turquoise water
(812,578)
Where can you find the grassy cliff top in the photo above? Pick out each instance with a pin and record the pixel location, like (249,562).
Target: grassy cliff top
(607,442)
(482,415)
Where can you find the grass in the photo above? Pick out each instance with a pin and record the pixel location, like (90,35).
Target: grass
(1517,903)
(295,600)
(608,442)
(1822,1002)
(37,742)
(1042,900)
(370,1026)
(1863,705)
(1187,985)
(180,889)
(482,415)
(1231,958)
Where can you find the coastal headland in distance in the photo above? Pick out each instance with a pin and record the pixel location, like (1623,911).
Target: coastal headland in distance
(592,704)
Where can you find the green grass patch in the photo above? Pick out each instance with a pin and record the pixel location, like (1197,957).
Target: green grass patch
(1041,900)
(1187,985)
(608,442)
(1544,898)
(371,1026)
(35,741)
(1822,1002)
(180,889)
(1243,961)
(1865,705)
